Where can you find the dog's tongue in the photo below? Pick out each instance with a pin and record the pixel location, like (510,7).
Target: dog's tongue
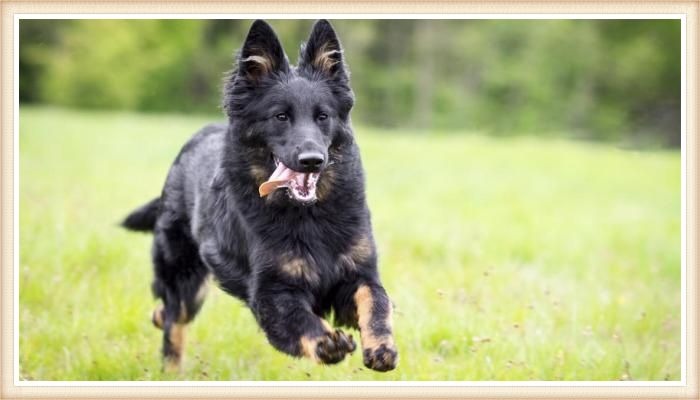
(279,179)
(283,177)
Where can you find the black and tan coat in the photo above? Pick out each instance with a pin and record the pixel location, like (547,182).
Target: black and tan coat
(292,264)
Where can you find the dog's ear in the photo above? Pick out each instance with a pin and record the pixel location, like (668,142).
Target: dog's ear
(322,51)
(262,53)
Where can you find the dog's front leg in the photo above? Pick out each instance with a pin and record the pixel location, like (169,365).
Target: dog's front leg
(285,315)
(374,310)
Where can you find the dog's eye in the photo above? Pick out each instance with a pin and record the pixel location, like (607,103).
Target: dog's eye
(282,117)
(322,116)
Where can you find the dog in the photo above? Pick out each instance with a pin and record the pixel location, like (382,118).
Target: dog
(272,205)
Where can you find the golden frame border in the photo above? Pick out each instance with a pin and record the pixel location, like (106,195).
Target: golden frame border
(8,9)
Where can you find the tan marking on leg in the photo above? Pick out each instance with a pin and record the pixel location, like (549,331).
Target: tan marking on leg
(157,316)
(173,363)
(298,268)
(364,303)
(362,250)
(326,326)
(308,348)
(183,317)
(308,344)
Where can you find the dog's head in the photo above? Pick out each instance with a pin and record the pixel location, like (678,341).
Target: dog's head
(296,116)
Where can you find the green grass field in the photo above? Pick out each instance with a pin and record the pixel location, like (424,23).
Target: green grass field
(508,259)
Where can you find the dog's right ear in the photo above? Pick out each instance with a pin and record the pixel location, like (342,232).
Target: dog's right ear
(262,53)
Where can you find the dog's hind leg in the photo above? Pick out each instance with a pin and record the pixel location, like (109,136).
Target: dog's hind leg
(181,281)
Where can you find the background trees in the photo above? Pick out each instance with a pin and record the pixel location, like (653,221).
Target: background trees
(613,80)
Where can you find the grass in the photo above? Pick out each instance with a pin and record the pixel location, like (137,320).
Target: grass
(508,259)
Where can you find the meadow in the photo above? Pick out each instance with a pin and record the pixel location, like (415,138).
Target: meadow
(514,258)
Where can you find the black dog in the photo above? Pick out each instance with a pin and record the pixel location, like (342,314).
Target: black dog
(300,252)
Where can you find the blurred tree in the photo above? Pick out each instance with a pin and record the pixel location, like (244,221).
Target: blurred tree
(616,80)
(36,39)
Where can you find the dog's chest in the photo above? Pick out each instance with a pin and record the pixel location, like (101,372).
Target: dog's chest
(325,262)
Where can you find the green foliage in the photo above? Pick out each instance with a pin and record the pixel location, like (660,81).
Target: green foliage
(131,68)
(616,80)
(507,259)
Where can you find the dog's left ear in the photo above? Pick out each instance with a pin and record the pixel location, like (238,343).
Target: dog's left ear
(322,52)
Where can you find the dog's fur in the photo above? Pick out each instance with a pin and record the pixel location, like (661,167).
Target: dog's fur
(292,263)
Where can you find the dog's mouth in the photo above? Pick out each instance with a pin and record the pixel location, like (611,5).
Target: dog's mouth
(301,185)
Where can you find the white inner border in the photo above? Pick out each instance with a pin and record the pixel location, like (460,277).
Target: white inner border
(681,383)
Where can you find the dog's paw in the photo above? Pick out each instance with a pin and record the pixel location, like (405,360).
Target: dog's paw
(172,364)
(332,347)
(381,358)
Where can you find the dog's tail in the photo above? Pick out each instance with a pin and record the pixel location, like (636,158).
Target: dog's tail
(143,218)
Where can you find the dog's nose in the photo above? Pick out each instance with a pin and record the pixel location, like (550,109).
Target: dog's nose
(311,160)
